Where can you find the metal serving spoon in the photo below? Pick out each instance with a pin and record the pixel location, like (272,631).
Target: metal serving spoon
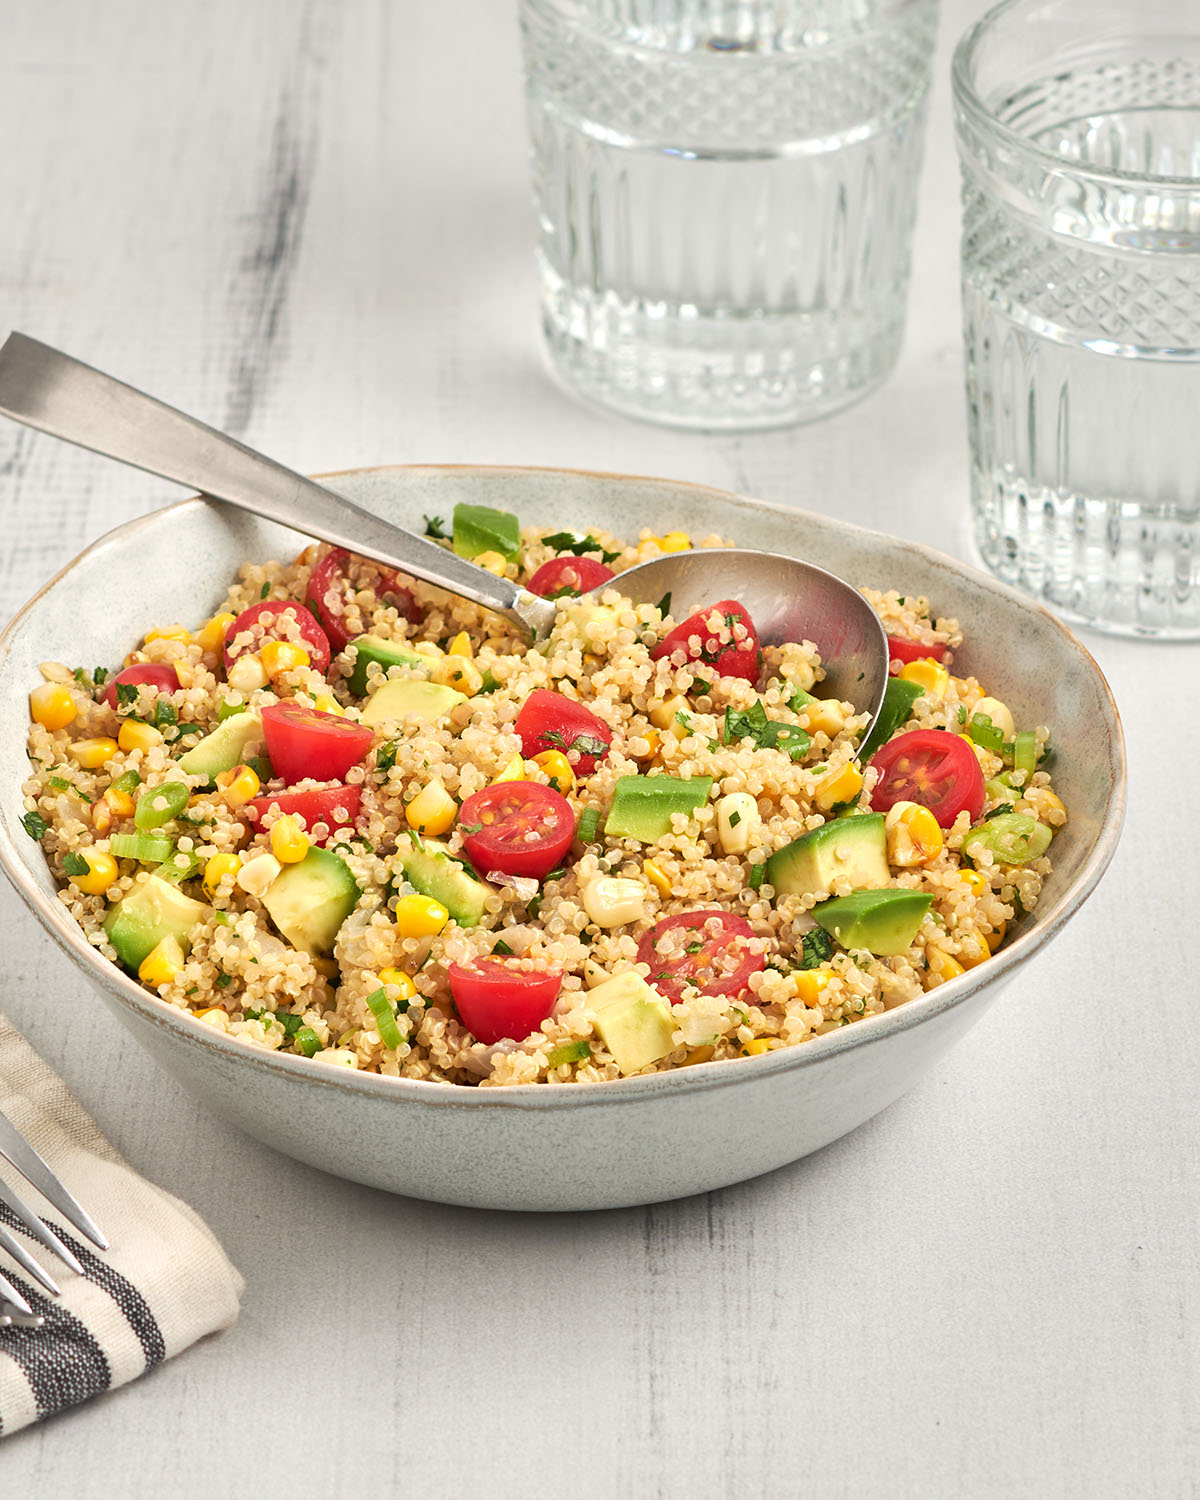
(788,600)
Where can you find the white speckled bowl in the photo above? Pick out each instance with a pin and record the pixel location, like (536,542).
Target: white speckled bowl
(636,1140)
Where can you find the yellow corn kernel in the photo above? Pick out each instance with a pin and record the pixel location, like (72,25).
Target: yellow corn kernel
(432,810)
(401,980)
(324,704)
(978,750)
(461,646)
(134,735)
(675,541)
(973,950)
(162,963)
(1046,804)
(170,633)
(663,715)
(657,877)
(219,867)
(92,754)
(493,562)
(289,842)
(929,675)
(102,871)
(102,818)
(825,716)
(458,673)
(913,835)
(653,738)
(941,966)
(699,1055)
(976,883)
(51,705)
(758,1045)
(842,785)
(213,1016)
(237,786)
(278,657)
(557,769)
(420,916)
(809,984)
(256,874)
(211,636)
(247,674)
(994,938)
(513,771)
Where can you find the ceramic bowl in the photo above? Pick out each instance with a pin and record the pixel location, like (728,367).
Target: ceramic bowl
(636,1140)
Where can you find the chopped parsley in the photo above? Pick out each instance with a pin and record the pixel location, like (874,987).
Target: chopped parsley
(100,676)
(470,827)
(126,694)
(735,818)
(585,744)
(997,811)
(34,825)
(265,590)
(224,981)
(385,758)
(816,948)
(699,685)
(500,946)
(664,604)
(83,679)
(767,734)
(165,713)
(435,526)
(566,541)
(75,864)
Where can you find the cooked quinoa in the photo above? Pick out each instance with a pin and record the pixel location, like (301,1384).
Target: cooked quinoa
(377,994)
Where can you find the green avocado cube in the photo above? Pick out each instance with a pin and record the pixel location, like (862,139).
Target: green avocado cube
(433,871)
(852,848)
(632,1021)
(153,909)
(408,698)
(642,806)
(310,900)
(368,649)
(233,742)
(883,922)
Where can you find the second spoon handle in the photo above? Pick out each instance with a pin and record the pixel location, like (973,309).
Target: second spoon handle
(57,394)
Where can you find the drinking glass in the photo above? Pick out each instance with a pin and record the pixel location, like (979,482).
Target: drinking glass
(725,193)
(1078,125)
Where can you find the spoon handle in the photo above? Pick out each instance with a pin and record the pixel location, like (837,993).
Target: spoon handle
(49,390)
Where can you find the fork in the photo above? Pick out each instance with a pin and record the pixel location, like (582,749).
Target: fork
(15,1149)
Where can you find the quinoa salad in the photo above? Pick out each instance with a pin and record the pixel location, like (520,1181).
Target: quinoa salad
(353,818)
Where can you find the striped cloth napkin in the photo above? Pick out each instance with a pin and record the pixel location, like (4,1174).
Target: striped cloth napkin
(163,1283)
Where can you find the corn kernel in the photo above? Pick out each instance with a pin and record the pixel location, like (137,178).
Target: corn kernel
(432,810)
(913,835)
(401,980)
(257,873)
(737,819)
(134,735)
(278,657)
(92,754)
(842,785)
(238,785)
(994,938)
(289,842)
(169,633)
(513,771)
(214,1016)
(755,1048)
(557,770)
(211,636)
(941,967)
(657,877)
(121,803)
(247,674)
(675,541)
(102,871)
(458,673)
(219,867)
(973,950)
(825,716)
(809,984)
(976,883)
(162,963)
(493,562)
(653,738)
(613,900)
(325,704)
(929,675)
(102,818)
(420,916)
(51,705)
(460,646)
(663,715)
(1046,804)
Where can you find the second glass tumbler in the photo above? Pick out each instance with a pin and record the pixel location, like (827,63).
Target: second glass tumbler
(725,195)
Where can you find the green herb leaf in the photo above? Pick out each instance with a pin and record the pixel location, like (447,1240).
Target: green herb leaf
(75,864)
(435,527)
(100,676)
(816,948)
(265,590)
(500,946)
(768,734)
(995,812)
(757,875)
(126,694)
(664,604)
(385,758)
(165,713)
(700,686)
(34,825)
(83,679)
(567,541)
(470,827)
(224,981)
(735,818)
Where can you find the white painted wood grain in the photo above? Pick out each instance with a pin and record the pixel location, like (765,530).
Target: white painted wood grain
(309,222)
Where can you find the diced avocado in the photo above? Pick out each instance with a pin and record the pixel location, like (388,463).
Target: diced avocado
(309,901)
(642,806)
(373,648)
(434,872)
(882,922)
(230,744)
(898,698)
(631,1021)
(153,909)
(853,849)
(410,698)
(479,528)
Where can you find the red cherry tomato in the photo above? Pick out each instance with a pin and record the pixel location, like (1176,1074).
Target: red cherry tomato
(258,624)
(731,650)
(903,650)
(331,582)
(933,767)
(496,999)
(520,828)
(336,806)
(549,721)
(707,949)
(147,673)
(303,742)
(569,575)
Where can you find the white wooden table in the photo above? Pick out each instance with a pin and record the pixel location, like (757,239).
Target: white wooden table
(311,224)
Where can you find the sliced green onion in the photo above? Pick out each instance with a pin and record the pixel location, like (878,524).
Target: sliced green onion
(180,865)
(757,875)
(159,804)
(128,783)
(589,823)
(385,1019)
(985,733)
(569,1052)
(1013,838)
(147,848)
(1025,752)
(308,1042)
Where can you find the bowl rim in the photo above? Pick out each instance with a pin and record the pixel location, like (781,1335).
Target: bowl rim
(720,1073)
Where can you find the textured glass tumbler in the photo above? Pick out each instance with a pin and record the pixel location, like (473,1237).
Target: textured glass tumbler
(725,195)
(1079,136)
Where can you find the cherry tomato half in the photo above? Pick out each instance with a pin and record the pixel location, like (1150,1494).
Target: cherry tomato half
(147,673)
(516,827)
(934,767)
(900,649)
(336,806)
(303,742)
(259,623)
(707,949)
(496,999)
(569,575)
(729,648)
(550,721)
(335,577)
